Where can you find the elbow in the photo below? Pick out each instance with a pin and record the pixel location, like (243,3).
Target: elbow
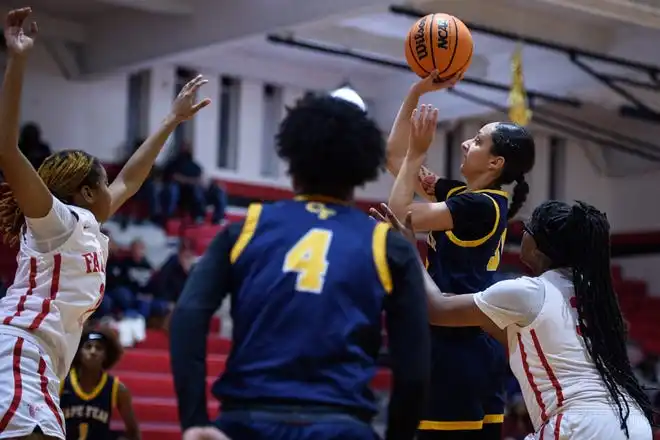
(393,160)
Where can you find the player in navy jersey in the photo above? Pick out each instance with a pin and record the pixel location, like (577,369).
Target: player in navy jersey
(467,224)
(89,395)
(308,280)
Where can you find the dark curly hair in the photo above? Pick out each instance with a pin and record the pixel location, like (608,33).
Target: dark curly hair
(331,146)
(110,340)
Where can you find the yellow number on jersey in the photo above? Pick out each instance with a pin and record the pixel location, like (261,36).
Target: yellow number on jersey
(308,259)
(83,431)
(494,261)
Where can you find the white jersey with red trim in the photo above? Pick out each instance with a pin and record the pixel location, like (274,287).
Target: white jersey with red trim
(55,292)
(550,360)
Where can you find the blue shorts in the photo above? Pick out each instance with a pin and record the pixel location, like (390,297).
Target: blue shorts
(468,375)
(263,425)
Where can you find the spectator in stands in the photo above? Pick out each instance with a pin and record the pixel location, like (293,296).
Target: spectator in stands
(137,273)
(168,283)
(147,195)
(32,146)
(183,185)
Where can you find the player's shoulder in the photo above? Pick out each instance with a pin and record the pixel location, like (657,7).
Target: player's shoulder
(522,285)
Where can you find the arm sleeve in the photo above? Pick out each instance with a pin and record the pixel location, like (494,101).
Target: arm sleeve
(474,215)
(512,302)
(206,288)
(443,186)
(54,229)
(409,339)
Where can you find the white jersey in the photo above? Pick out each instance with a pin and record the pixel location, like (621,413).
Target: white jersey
(55,292)
(549,357)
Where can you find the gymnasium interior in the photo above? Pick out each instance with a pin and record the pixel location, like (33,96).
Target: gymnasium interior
(104,73)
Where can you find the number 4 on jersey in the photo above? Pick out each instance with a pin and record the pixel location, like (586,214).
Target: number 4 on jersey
(308,258)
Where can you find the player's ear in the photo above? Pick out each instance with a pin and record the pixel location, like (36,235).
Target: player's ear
(496,163)
(87,193)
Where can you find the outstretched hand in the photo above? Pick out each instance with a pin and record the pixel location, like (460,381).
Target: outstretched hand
(185,105)
(18,42)
(386,215)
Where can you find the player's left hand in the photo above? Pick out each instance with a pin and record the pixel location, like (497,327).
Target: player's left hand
(185,105)
(424,125)
(204,433)
(386,215)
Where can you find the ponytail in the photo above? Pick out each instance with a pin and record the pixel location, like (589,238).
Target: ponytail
(520,192)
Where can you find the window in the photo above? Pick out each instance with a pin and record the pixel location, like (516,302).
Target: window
(273,106)
(228,132)
(184,133)
(557,171)
(137,124)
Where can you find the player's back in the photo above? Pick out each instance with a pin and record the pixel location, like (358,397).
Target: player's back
(54,292)
(465,259)
(88,414)
(549,356)
(309,280)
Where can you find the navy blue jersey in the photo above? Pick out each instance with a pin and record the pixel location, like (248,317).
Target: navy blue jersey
(310,280)
(464,259)
(88,415)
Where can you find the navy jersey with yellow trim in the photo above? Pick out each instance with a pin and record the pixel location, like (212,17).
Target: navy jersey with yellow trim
(88,415)
(464,259)
(309,283)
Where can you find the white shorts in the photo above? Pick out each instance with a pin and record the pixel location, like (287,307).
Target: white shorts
(29,396)
(594,425)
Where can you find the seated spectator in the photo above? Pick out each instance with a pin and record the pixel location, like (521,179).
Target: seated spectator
(183,185)
(168,282)
(32,146)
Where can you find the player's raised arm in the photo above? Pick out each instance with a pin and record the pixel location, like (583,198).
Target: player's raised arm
(426,216)
(136,170)
(203,294)
(397,143)
(31,194)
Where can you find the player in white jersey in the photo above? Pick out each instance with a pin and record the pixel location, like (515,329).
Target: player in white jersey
(563,328)
(54,215)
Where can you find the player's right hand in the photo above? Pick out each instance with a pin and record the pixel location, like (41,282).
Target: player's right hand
(433,83)
(204,433)
(386,215)
(18,42)
(185,105)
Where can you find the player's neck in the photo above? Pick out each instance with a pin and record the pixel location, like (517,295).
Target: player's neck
(88,379)
(479,182)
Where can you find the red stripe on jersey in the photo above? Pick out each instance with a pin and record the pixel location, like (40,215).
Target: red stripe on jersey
(18,385)
(548,369)
(47,397)
(21,302)
(558,426)
(54,289)
(530,379)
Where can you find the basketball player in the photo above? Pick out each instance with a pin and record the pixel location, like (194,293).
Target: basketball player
(308,278)
(54,215)
(89,394)
(467,224)
(563,327)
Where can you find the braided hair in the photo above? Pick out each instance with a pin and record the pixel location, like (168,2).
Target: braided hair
(516,145)
(63,173)
(578,237)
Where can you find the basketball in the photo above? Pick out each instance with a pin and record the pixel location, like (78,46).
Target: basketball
(439,42)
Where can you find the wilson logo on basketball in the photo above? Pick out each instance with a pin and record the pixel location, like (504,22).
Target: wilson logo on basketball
(420,44)
(443,34)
